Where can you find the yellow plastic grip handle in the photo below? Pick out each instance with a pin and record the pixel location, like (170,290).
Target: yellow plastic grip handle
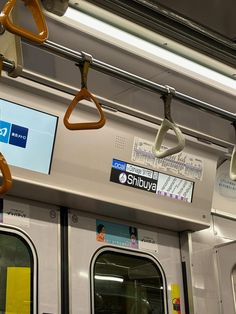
(165,126)
(84,94)
(38,16)
(232,170)
(6,175)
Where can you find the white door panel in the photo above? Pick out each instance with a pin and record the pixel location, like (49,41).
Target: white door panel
(41,223)
(83,246)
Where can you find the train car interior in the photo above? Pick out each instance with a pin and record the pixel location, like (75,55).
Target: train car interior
(117,157)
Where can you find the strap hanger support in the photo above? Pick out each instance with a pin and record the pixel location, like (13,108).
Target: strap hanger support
(84,66)
(168,123)
(84,94)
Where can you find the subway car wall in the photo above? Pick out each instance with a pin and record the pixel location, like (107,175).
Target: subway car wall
(94,221)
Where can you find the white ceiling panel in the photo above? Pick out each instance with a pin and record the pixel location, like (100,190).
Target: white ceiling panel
(124,93)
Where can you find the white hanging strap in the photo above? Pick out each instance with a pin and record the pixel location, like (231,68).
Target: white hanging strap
(232,170)
(167,124)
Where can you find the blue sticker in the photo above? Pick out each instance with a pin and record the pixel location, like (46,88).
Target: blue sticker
(119,165)
(18,136)
(4,131)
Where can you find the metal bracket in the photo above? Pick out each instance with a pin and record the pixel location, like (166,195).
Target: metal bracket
(167,98)
(10,48)
(170,90)
(84,65)
(86,57)
(57,7)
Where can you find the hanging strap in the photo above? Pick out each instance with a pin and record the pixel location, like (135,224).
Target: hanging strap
(35,8)
(232,170)
(84,94)
(6,175)
(166,125)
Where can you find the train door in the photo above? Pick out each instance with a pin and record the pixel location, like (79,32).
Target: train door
(29,257)
(226,262)
(117,267)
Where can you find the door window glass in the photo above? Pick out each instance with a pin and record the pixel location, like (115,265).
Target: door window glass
(127,284)
(16,275)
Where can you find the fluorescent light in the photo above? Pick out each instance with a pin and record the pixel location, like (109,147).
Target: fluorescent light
(109,278)
(150,51)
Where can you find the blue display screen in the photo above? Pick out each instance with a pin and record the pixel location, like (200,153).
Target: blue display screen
(27,136)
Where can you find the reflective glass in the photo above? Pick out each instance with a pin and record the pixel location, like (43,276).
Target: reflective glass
(127,284)
(16,275)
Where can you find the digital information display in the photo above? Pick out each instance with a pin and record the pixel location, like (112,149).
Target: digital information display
(151,181)
(27,136)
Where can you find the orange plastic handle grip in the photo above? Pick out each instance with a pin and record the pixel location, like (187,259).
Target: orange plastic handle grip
(38,16)
(6,175)
(84,94)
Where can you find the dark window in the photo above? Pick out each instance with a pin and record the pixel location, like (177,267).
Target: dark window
(127,284)
(16,275)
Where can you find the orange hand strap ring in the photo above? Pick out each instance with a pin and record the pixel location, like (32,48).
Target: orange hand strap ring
(86,95)
(38,16)
(6,175)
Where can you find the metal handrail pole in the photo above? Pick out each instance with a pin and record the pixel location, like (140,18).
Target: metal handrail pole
(204,106)
(133,79)
(136,80)
(8,65)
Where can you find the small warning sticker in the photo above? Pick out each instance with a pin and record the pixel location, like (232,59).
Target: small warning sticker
(148,240)
(16,216)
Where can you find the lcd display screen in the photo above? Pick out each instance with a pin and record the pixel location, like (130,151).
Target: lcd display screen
(27,136)
(151,181)
(174,187)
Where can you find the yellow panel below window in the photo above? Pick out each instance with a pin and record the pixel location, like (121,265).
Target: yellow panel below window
(18,290)
(175,294)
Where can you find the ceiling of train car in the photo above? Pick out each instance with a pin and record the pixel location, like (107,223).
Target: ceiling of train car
(124,93)
(217,16)
(65,71)
(207,26)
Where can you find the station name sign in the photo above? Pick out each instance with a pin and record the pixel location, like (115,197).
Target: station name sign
(151,181)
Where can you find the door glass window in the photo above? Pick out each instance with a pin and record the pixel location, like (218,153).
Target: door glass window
(16,275)
(127,284)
